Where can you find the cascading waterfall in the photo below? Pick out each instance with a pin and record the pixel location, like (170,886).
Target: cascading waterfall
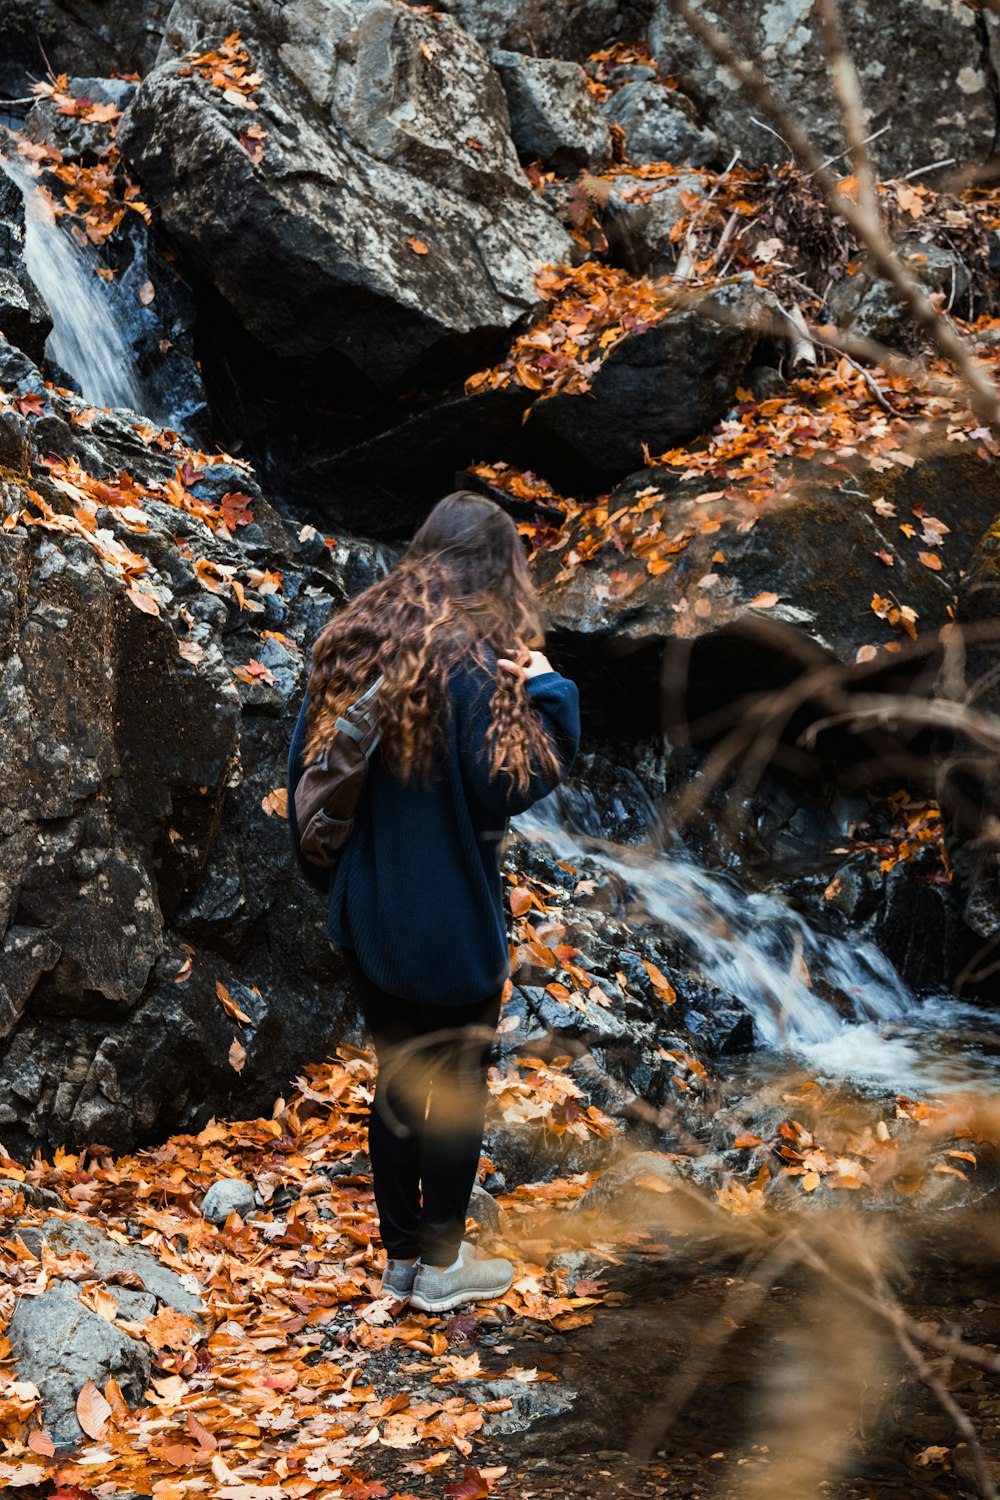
(750,944)
(87,340)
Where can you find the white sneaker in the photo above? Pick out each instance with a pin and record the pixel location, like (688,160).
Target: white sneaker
(471,1280)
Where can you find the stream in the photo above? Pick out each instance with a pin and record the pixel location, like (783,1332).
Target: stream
(88,339)
(831,1004)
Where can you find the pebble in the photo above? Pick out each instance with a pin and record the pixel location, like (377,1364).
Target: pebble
(229,1195)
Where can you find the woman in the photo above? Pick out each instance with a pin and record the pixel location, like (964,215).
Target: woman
(474,726)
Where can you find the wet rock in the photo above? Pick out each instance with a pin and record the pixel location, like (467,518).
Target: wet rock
(59,1345)
(419,233)
(925,71)
(151,833)
(485,1209)
(385,485)
(25,320)
(971,678)
(656,388)
(660,125)
(72,135)
(630,1186)
(110,1259)
(867,305)
(228,1196)
(553,115)
(87,35)
(528,1403)
(638,218)
(814,549)
(919,927)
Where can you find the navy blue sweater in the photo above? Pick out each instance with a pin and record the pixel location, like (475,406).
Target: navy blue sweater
(417,893)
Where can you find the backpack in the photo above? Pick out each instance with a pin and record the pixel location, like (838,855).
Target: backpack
(329,790)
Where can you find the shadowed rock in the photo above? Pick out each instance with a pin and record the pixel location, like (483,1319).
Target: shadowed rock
(385,219)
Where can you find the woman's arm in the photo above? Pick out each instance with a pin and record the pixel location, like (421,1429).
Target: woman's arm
(554,699)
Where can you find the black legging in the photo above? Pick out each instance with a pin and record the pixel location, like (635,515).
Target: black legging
(425,1133)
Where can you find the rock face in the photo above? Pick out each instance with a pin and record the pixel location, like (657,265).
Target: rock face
(141,882)
(24,318)
(384,219)
(553,116)
(659,125)
(972,679)
(59,1345)
(755,595)
(572,29)
(659,387)
(925,69)
(78,35)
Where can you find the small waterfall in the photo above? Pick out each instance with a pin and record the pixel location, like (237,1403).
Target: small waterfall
(750,944)
(87,338)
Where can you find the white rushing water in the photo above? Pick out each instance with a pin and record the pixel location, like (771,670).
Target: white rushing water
(754,946)
(87,338)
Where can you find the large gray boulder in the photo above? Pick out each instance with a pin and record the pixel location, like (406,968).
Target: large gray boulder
(639,216)
(59,1345)
(925,65)
(146,894)
(554,118)
(110,1259)
(384,219)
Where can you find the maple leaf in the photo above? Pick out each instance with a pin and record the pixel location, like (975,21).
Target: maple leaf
(235,509)
(417,246)
(31,405)
(254,671)
(660,982)
(169,1329)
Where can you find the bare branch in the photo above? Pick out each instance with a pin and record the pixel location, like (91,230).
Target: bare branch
(867,227)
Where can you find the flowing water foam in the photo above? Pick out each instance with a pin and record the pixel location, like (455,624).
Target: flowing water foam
(87,338)
(754,946)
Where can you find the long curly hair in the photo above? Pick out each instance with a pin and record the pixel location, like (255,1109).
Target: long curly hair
(460,592)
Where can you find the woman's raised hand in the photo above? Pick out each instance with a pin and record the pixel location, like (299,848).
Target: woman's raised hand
(528,664)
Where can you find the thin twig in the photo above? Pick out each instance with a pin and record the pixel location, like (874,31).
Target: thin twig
(947,1402)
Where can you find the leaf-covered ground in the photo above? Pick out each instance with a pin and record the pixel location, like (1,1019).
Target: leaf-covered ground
(303,1380)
